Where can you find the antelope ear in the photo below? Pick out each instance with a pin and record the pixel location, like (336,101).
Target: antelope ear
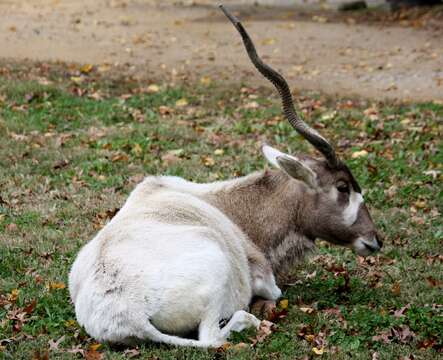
(271,155)
(291,165)
(297,169)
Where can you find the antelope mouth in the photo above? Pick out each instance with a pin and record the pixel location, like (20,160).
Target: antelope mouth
(365,246)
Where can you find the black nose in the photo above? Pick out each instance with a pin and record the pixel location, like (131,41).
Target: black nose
(379,241)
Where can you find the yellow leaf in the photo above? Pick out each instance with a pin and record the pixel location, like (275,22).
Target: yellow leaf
(205,80)
(421,204)
(95,347)
(120,157)
(13,295)
(310,338)
(358,154)
(86,69)
(268,41)
(137,149)
(56,286)
(226,346)
(153,88)
(70,323)
(77,79)
(181,102)
(318,351)
(219,152)
(284,304)
(208,161)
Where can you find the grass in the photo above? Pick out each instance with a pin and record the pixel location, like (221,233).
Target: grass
(72,149)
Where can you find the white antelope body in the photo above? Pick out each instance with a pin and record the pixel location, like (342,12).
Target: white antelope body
(181,256)
(169,262)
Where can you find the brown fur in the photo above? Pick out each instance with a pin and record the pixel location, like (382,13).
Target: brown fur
(275,210)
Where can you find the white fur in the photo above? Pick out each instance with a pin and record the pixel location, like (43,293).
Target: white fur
(333,193)
(350,213)
(168,262)
(272,154)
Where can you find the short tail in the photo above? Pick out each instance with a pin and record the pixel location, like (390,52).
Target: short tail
(153,334)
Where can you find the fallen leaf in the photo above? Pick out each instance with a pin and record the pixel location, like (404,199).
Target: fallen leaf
(400,313)
(320,19)
(130,353)
(317,351)
(251,105)
(426,344)
(357,154)
(310,338)
(71,323)
(208,161)
(93,355)
(226,346)
(53,345)
(56,285)
(205,80)
(60,164)
(40,356)
(28,309)
(264,330)
(264,309)
(268,41)
(307,310)
(11,227)
(420,204)
(153,88)
(240,346)
(283,304)
(13,295)
(120,157)
(384,337)
(403,334)
(181,103)
(170,158)
(77,79)
(137,149)
(95,347)
(86,69)
(432,282)
(396,289)
(164,110)
(76,350)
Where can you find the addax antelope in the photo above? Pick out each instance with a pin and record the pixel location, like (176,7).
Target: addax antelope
(181,256)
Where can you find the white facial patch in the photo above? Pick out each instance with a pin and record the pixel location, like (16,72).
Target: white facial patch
(350,214)
(333,194)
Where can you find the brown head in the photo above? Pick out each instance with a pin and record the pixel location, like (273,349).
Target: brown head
(335,210)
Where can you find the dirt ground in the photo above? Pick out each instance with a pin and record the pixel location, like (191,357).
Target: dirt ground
(192,39)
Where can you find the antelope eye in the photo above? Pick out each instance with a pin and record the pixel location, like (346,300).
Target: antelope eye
(343,188)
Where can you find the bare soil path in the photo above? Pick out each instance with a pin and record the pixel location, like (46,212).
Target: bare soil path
(192,39)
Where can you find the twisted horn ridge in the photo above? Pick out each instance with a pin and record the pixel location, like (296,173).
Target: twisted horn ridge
(311,135)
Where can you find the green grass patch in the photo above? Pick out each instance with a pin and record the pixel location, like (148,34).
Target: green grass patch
(70,154)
